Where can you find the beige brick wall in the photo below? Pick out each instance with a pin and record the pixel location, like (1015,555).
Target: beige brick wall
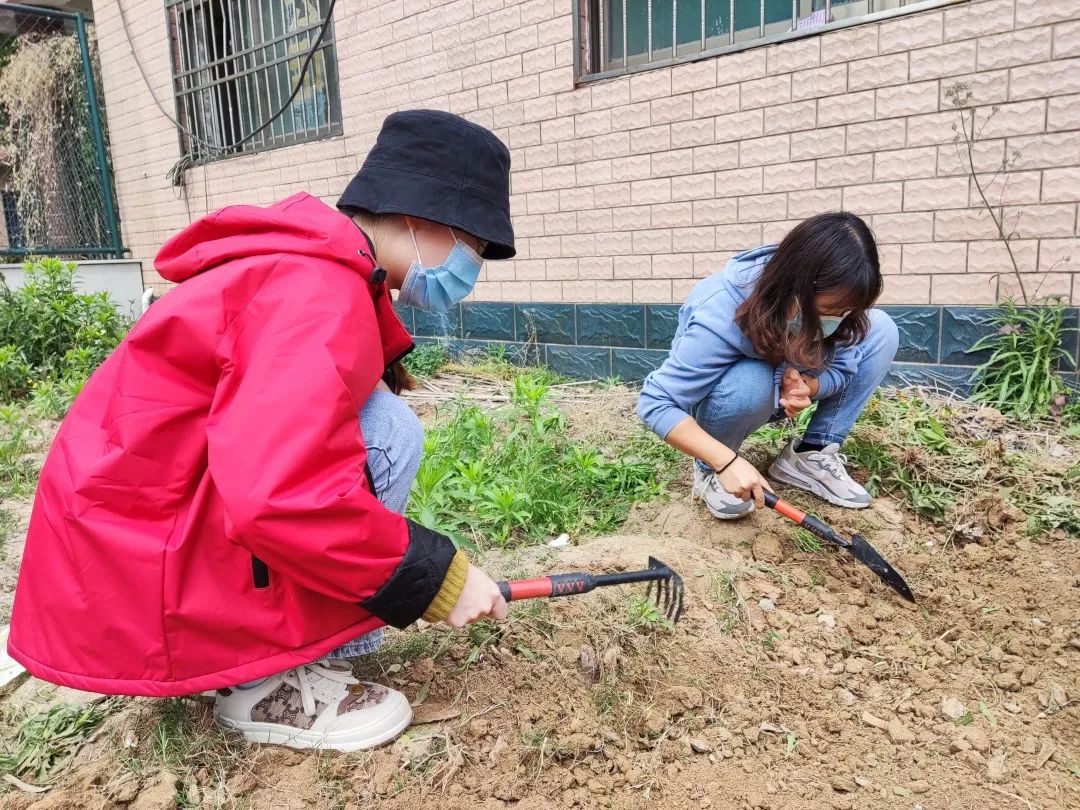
(631,189)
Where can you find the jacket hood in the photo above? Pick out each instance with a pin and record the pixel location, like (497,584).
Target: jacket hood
(745,267)
(300,225)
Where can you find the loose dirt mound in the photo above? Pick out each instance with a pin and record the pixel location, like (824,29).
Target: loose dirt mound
(795,681)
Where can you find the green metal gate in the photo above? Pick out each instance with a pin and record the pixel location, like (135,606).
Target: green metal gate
(55,178)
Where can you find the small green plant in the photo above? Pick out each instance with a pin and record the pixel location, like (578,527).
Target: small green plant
(1021,375)
(47,740)
(643,614)
(770,640)
(791,742)
(427,359)
(19,439)
(15,374)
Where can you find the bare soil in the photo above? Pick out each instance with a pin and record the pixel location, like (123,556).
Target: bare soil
(794,681)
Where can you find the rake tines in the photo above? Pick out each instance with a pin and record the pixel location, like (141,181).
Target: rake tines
(669,590)
(669,586)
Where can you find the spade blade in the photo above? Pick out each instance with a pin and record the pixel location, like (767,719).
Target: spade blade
(869,556)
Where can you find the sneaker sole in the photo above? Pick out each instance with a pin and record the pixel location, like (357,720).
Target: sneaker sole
(781,471)
(275,734)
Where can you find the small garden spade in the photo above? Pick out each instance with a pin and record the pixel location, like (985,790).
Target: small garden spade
(859,547)
(668,591)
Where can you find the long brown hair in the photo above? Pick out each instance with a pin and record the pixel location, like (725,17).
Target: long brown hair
(831,254)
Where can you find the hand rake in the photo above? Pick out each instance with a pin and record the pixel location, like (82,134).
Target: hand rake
(858,545)
(668,594)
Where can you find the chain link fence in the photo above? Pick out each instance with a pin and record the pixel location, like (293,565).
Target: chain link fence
(55,179)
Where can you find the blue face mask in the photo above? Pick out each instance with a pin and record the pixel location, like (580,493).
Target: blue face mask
(829,323)
(440,287)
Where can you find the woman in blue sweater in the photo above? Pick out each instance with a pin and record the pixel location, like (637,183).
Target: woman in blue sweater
(780,327)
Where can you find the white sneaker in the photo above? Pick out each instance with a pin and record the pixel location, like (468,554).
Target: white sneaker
(720,503)
(820,472)
(320,705)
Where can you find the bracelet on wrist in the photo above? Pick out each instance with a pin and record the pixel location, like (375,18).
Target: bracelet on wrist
(728,464)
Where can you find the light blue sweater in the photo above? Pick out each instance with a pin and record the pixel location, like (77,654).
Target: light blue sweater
(708,341)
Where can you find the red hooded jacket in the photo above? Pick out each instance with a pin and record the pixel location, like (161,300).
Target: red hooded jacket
(204,516)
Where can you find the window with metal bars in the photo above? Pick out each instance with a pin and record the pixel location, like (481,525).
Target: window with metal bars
(620,36)
(236,62)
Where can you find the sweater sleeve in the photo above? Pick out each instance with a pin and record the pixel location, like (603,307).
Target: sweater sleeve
(698,359)
(838,371)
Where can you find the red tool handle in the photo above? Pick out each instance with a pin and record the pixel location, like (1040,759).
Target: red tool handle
(546,587)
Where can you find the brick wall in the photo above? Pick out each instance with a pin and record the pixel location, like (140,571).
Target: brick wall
(628,190)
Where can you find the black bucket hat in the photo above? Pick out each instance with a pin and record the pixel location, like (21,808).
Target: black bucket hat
(440,167)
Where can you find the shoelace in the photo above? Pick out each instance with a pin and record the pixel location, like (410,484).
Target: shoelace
(833,462)
(300,679)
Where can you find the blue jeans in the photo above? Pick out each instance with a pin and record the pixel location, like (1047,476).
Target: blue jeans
(743,399)
(394,439)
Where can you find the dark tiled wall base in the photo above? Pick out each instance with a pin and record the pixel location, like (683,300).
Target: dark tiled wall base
(596,341)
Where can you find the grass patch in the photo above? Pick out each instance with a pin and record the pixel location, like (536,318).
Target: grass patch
(808,543)
(45,742)
(515,476)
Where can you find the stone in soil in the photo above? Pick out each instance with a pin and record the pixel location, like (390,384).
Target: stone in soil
(898,732)
(159,794)
(952,708)
(1007,682)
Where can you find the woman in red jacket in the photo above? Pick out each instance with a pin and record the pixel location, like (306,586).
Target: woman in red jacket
(213,514)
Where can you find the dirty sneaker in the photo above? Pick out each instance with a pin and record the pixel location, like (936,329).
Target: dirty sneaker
(320,705)
(820,472)
(721,503)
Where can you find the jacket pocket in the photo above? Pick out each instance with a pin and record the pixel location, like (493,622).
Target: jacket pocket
(260,574)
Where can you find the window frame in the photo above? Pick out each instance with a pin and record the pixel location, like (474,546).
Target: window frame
(584,10)
(256,64)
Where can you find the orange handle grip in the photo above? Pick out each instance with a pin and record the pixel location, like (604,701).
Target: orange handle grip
(529,588)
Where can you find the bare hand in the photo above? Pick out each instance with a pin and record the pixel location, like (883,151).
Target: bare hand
(743,480)
(794,393)
(479,599)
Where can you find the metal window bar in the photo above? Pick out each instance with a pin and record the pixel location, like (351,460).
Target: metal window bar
(234,64)
(604,63)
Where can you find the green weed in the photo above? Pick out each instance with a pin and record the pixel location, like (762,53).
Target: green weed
(427,359)
(807,542)
(791,742)
(643,614)
(770,640)
(19,439)
(1021,375)
(47,740)
(514,475)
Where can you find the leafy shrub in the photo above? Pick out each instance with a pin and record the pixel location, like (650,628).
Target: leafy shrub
(52,336)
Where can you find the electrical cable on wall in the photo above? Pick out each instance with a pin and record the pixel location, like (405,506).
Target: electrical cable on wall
(176,173)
